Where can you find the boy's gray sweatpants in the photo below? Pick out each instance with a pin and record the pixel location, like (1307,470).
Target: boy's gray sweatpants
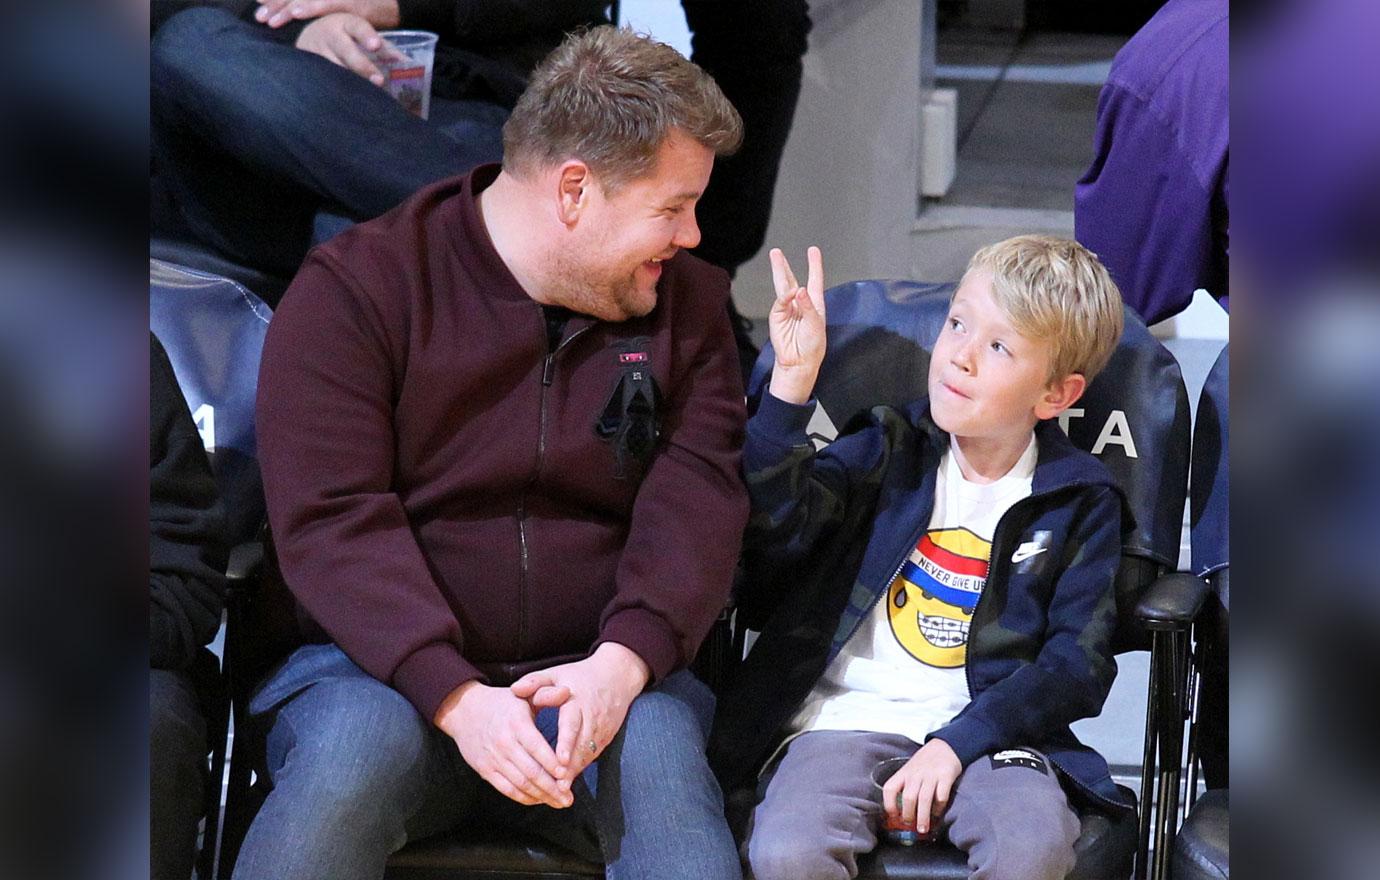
(816,812)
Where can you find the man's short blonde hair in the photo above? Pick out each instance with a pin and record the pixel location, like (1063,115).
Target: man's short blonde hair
(1056,290)
(610,97)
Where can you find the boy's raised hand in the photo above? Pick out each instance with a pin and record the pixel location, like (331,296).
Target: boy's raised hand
(923,786)
(797,328)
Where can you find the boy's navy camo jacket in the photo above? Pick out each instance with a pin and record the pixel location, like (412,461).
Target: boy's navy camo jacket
(828,531)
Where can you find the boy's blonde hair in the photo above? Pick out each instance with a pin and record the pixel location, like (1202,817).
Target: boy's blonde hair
(1056,290)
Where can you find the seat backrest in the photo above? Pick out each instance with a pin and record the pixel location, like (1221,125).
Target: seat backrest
(213,330)
(1209,505)
(1134,416)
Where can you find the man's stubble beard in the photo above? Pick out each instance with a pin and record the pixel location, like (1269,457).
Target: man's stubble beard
(577,286)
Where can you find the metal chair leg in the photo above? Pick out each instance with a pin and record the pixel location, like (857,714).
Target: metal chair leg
(1170,660)
(1191,759)
(1147,777)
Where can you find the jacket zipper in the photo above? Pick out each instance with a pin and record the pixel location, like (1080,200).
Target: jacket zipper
(886,586)
(548,375)
(915,537)
(968,665)
(996,535)
(1083,788)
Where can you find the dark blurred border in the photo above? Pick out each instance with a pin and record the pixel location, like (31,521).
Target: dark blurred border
(1306,432)
(1306,200)
(73,401)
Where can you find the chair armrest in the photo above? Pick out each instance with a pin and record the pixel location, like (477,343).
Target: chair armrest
(246,564)
(1172,602)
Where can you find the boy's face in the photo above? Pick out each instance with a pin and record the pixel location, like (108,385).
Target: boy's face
(987,381)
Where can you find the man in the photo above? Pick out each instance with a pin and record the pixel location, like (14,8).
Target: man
(187,558)
(500,429)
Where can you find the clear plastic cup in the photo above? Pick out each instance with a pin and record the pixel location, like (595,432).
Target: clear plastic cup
(406,60)
(896,830)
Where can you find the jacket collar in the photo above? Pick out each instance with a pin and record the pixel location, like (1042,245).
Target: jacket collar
(1058,463)
(907,495)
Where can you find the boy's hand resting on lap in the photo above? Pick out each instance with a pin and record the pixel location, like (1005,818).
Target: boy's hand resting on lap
(797,328)
(924,785)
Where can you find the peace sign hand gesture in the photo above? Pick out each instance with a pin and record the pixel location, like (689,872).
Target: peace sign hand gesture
(797,327)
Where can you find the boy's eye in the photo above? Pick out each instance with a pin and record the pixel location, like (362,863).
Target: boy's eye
(999,348)
(955,324)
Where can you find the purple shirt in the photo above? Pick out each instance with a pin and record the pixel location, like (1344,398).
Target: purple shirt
(1153,204)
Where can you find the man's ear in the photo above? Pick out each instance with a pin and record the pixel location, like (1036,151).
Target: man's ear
(573,187)
(1060,395)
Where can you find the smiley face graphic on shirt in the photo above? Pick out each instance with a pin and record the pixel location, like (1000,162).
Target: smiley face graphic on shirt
(930,602)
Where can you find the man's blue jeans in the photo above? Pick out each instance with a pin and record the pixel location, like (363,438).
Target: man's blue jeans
(357,773)
(252,137)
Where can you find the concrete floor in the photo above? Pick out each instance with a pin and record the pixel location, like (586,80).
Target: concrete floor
(1026,113)
(1026,110)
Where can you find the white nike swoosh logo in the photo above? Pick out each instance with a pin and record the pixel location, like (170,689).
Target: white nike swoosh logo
(1025,551)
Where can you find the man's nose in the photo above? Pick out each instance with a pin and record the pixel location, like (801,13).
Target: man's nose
(688,233)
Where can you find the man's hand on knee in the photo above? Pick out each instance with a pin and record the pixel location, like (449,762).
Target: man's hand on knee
(497,737)
(593,694)
(379,13)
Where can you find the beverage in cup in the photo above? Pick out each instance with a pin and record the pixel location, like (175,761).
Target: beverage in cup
(406,60)
(895,829)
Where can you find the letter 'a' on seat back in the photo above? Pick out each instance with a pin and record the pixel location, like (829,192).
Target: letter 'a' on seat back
(213,330)
(1136,419)
(1209,490)
(1134,416)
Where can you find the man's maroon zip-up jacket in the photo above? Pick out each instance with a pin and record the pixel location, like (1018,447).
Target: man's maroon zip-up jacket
(439,496)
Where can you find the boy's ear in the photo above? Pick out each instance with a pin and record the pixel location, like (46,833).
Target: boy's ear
(573,183)
(1060,395)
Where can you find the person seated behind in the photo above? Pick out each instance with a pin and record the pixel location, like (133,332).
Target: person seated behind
(283,100)
(976,624)
(1154,203)
(187,557)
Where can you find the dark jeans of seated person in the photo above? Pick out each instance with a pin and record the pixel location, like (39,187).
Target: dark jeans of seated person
(252,138)
(177,755)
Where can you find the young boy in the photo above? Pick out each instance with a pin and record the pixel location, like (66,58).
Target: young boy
(955,605)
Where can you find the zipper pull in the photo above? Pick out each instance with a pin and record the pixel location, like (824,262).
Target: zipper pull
(548,371)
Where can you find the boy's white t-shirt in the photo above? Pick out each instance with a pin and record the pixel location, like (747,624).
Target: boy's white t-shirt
(902,671)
